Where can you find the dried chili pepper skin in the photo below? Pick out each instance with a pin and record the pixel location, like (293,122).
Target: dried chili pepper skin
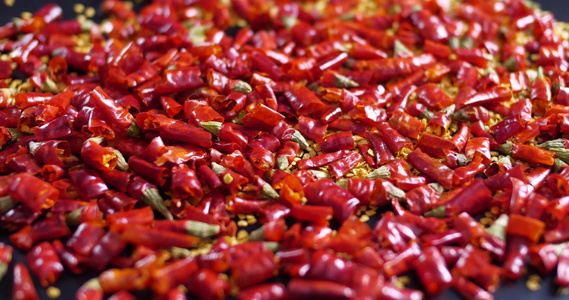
(310,289)
(34,193)
(206,284)
(23,287)
(91,290)
(45,263)
(267,291)
(471,199)
(155,238)
(441,173)
(325,192)
(168,277)
(337,142)
(98,157)
(432,271)
(106,249)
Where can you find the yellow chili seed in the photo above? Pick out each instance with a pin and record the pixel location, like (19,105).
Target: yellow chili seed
(53,292)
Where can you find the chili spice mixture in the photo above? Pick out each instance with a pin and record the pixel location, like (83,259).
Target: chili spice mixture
(142,148)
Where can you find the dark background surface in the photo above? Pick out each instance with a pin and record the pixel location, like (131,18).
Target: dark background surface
(69,283)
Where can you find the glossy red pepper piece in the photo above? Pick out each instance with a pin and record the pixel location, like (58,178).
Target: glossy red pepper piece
(392,67)
(45,229)
(304,101)
(255,269)
(267,291)
(45,263)
(494,95)
(432,271)
(88,183)
(403,261)
(309,289)
(327,193)
(97,156)
(155,238)
(441,173)
(23,287)
(106,249)
(406,124)
(168,277)
(472,199)
(42,196)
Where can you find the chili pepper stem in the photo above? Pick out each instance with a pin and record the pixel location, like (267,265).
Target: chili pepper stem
(437,187)
(242,87)
(49,86)
(202,230)
(180,252)
(122,164)
(74,218)
(96,139)
(463,160)
(498,228)
(133,130)
(449,110)
(397,193)
(381,172)
(7,203)
(299,138)
(212,127)
(505,148)
(557,143)
(153,199)
(561,153)
(92,284)
(282,162)
(427,114)
(343,183)
(268,192)
(511,64)
(257,235)
(3,269)
(217,168)
(400,49)
(438,212)
(343,82)
(505,160)
(557,164)
(272,246)
(33,147)
(15,134)
(320,174)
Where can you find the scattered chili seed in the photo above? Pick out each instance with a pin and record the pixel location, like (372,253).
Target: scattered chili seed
(53,292)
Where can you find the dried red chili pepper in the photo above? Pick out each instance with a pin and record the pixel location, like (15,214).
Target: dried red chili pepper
(45,263)
(23,287)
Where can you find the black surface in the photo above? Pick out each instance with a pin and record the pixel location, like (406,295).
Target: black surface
(69,283)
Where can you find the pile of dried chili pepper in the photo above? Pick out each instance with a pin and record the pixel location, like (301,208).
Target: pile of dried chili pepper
(141,148)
